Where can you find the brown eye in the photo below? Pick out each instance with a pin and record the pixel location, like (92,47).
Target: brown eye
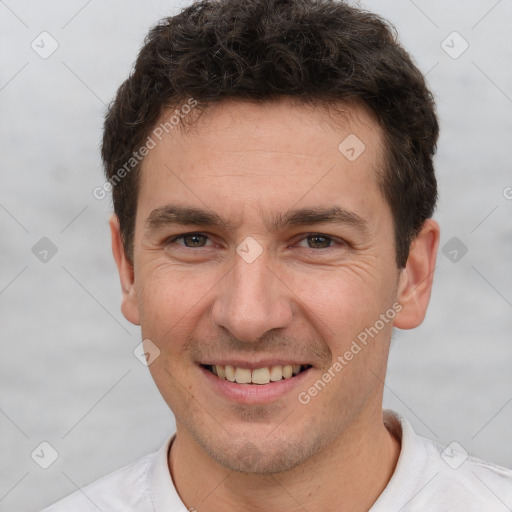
(191,240)
(319,241)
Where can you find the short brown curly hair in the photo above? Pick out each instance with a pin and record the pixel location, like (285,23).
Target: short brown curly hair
(322,51)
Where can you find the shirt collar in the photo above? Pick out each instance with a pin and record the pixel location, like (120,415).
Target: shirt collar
(410,466)
(164,496)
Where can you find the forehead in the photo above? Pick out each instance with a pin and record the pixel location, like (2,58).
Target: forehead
(238,155)
(276,125)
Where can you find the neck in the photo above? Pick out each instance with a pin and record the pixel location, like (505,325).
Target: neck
(348,475)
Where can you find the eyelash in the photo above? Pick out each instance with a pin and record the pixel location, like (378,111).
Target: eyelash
(332,239)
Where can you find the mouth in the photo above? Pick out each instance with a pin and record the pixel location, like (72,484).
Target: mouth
(256,376)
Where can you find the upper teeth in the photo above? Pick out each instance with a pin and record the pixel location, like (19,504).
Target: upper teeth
(257,376)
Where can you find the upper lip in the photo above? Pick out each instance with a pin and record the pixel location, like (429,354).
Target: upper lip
(253,365)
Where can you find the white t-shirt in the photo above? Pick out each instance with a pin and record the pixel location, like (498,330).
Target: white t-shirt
(428,477)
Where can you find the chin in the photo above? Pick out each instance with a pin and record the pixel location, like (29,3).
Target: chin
(261,456)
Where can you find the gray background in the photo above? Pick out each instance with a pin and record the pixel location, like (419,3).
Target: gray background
(69,376)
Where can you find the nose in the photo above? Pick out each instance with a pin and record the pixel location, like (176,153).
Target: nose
(252,300)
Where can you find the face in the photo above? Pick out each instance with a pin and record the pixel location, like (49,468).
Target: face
(260,246)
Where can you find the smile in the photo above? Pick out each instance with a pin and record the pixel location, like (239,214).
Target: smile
(260,376)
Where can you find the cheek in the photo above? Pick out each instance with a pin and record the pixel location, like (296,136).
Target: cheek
(345,308)
(342,300)
(167,292)
(169,302)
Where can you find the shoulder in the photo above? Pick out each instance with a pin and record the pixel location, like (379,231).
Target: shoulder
(469,481)
(126,489)
(430,476)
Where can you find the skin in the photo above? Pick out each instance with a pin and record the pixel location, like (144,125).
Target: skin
(302,297)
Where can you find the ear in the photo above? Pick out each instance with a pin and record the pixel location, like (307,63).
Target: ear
(415,284)
(129,305)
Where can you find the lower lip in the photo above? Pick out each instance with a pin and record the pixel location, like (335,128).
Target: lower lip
(253,393)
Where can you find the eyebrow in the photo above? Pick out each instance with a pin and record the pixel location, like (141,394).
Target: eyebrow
(182,215)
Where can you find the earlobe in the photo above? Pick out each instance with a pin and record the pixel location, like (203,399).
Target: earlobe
(129,306)
(416,278)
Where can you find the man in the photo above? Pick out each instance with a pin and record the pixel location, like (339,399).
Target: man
(271,169)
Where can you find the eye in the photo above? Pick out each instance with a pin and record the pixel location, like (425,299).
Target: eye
(318,241)
(190,240)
